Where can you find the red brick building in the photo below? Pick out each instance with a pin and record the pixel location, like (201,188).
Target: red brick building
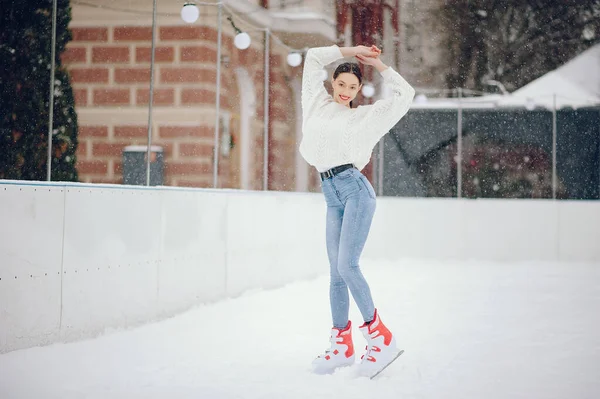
(109,63)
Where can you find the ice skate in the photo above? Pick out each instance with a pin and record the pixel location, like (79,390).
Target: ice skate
(339,354)
(381,348)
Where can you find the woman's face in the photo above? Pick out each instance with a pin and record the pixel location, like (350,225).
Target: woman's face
(345,88)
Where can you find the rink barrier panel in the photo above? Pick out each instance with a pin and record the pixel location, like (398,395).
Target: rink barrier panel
(579,230)
(78,259)
(496,230)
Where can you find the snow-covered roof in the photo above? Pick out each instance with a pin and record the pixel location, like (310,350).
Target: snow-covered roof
(575,84)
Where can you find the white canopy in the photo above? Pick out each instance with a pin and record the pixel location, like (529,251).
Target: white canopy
(575,84)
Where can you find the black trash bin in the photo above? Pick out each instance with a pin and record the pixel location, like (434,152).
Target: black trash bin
(134,165)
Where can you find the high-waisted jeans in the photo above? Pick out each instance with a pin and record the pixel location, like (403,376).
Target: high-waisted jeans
(350,202)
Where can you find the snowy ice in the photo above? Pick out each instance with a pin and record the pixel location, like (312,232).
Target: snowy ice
(469,330)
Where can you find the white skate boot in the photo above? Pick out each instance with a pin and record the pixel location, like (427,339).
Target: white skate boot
(381,348)
(339,354)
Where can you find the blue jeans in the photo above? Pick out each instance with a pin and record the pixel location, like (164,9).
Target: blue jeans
(350,202)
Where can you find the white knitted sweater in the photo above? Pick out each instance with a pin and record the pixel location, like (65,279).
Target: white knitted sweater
(333,134)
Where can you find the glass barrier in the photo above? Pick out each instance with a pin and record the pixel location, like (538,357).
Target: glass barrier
(504,152)
(226,113)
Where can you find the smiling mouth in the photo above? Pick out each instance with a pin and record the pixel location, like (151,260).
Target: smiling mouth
(344,98)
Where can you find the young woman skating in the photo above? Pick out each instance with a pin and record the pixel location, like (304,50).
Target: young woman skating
(338,141)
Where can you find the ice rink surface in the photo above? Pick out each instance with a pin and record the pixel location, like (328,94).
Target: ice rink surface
(478,330)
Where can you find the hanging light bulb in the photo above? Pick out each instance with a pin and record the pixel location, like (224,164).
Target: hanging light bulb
(529,104)
(190,13)
(368,90)
(294,59)
(421,99)
(242,40)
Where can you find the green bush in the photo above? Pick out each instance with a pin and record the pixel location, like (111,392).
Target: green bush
(25,61)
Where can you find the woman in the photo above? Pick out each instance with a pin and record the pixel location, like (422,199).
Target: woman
(338,141)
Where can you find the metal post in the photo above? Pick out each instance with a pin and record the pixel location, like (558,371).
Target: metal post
(151,98)
(459,147)
(554,179)
(218,99)
(266,114)
(380,168)
(51,110)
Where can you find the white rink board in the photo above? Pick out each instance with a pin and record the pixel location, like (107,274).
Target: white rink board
(192,266)
(110,259)
(409,228)
(93,257)
(497,230)
(280,235)
(510,230)
(31,240)
(578,226)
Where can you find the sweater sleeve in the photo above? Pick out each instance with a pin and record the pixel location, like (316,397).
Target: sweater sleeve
(375,120)
(313,90)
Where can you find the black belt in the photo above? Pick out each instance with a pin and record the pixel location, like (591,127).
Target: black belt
(334,171)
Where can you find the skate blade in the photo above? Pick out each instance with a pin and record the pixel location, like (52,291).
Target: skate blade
(384,367)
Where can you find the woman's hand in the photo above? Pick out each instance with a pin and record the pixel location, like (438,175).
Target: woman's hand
(372,60)
(368,55)
(365,51)
(359,50)
(367,60)
(376,49)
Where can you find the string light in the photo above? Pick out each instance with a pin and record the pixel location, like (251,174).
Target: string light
(242,40)
(530,104)
(421,99)
(294,59)
(368,90)
(190,13)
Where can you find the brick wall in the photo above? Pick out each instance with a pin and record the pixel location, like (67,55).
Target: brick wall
(109,67)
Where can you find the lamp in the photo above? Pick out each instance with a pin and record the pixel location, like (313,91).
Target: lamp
(294,59)
(242,40)
(421,99)
(368,90)
(529,104)
(190,13)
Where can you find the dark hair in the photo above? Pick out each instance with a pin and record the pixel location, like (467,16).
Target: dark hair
(348,67)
